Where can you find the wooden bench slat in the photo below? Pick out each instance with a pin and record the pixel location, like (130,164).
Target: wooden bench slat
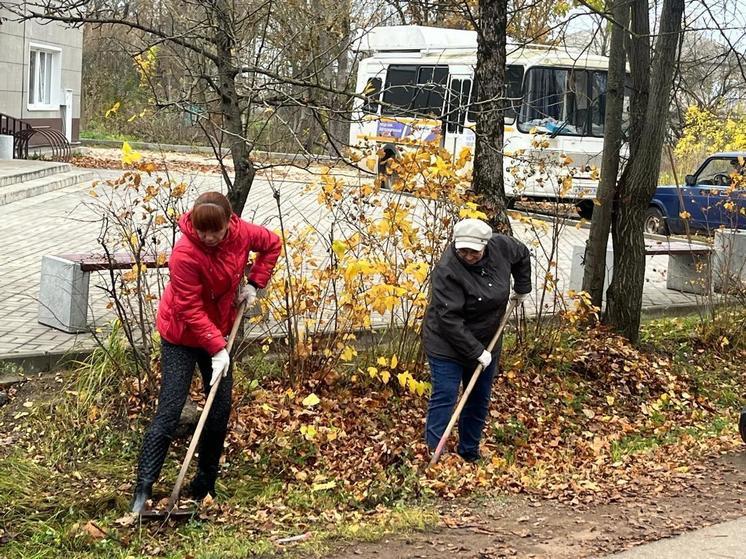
(94,262)
(676,247)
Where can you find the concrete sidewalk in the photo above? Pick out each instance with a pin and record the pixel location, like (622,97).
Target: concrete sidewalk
(726,540)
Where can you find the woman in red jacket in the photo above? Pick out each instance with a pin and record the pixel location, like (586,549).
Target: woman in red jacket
(195,314)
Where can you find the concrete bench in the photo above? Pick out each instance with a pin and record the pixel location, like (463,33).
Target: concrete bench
(730,261)
(63,287)
(689,265)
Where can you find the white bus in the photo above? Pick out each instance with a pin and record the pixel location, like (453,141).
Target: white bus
(418,84)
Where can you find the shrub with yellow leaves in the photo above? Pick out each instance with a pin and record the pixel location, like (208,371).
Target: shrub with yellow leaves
(139,215)
(370,272)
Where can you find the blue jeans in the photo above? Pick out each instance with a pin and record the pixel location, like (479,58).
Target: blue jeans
(447,377)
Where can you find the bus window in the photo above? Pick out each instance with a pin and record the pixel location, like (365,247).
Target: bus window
(458,99)
(372,92)
(414,90)
(599,104)
(564,101)
(543,105)
(431,82)
(400,90)
(513,94)
(514,91)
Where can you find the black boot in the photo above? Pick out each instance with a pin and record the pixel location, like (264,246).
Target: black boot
(143,493)
(742,424)
(202,485)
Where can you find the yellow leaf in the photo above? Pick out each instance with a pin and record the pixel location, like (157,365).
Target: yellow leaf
(394,361)
(114,108)
(308,431)
(470,211)
(323,486)
(385,377)
(310,400)
(339,248)
(348,353)
(373,372)
(382,361)
(129,156)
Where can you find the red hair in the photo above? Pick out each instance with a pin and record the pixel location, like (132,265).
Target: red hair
(211,212)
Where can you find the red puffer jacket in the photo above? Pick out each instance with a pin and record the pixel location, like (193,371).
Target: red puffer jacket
(197,308)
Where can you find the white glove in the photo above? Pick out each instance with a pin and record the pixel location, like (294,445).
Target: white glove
(518,298)
(246,293)
(220,362)
(485,359)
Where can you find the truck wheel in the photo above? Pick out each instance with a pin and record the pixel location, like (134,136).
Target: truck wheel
(655,222)
(585,209)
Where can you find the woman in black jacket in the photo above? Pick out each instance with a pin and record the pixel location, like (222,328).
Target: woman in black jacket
(470,292)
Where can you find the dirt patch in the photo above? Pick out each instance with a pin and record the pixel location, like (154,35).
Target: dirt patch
(21,397)
(519,526)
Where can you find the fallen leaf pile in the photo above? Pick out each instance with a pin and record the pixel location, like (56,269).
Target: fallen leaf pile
(592,423)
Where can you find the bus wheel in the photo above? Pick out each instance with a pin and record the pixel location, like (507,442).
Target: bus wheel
(585,209)
(655,223)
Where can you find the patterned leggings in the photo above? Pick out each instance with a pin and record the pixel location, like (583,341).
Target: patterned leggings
(178,364)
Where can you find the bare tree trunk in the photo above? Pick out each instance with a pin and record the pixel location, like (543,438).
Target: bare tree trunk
(641,177)
(240,186)
(595,256)
(339,126)
(489,180)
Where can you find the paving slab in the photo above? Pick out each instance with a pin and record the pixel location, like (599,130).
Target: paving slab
(63,221)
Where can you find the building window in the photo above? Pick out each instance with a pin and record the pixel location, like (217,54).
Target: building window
(44,76)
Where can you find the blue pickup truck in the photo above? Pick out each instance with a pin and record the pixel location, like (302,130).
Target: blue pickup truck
(713,197)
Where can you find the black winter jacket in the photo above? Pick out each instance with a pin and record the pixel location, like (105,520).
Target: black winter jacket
(467,302)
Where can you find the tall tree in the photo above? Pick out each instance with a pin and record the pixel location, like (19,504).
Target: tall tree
(652,79)
(595,256)
(489,79)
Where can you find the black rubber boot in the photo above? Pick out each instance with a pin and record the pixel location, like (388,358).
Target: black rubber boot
(202,485)
(742,425)
(143,492)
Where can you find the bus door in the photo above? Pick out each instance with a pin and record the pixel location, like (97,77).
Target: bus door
(454,114)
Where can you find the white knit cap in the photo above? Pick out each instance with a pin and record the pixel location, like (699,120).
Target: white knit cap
(471,233)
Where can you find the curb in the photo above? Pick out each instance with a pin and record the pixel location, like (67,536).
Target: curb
(180,148)
(43,362)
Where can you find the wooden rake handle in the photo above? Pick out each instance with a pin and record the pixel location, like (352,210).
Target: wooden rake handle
(470,387)
(203,417)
